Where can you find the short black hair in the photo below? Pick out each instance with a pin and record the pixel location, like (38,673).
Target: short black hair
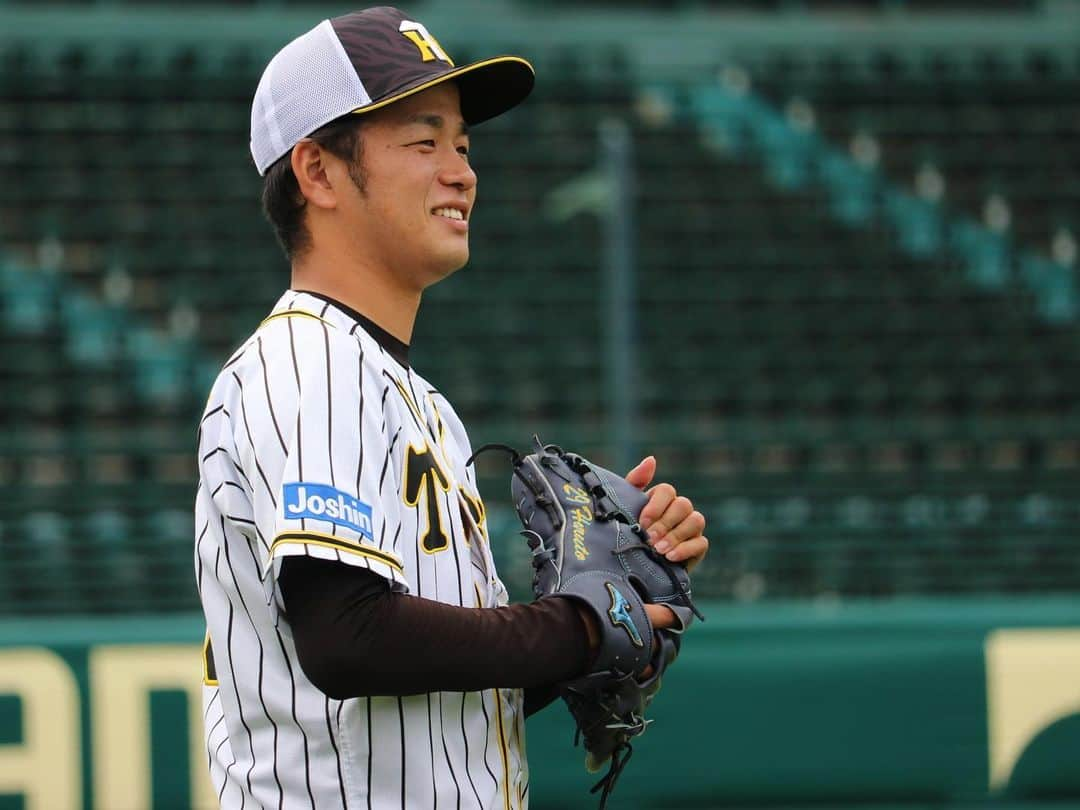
(283,204)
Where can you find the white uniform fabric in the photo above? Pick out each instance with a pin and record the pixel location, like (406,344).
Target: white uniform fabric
(316,441)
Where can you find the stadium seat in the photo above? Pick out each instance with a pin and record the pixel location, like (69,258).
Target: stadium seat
(865,388)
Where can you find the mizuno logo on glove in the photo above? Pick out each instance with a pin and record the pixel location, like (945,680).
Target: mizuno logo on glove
(620,615)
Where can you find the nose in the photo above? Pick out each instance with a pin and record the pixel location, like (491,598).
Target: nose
(458,173)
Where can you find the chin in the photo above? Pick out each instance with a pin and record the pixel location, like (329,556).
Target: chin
(449,265)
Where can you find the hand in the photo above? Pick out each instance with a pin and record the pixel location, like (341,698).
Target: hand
(675,527)
(661,617)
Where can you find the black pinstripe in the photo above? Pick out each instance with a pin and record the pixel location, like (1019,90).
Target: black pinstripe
(465,737)
(262,661)
(211,412)
(220,720)
(360,419)
(262,540)
(431,754)
(239,705)
(397,384)
(270,399)
(416,551)
(235,466)
(251,442)
(330,417)
(401,721)
(337,756)
(296,720)
(487,737)
(457,559)
(210,705)
(299,441)
(211,755)
(225,782)
(198,553)
(240,470)
(212,453)
(236,356)
(370,757)
(382,479)
(446,752)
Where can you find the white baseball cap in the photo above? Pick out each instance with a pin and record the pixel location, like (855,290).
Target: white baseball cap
(362,61)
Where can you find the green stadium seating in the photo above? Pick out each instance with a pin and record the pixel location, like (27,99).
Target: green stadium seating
(866,397)
(994,126)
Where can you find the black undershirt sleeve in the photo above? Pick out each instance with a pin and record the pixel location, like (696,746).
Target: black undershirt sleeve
(355,638)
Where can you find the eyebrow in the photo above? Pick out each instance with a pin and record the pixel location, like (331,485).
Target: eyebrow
(435,121)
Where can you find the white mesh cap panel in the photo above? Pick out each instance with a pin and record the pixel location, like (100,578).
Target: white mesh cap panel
(308,83)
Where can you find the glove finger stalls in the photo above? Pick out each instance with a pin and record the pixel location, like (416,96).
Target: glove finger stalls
(683,614)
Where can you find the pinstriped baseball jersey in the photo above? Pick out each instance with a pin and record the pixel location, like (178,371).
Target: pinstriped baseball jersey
(317,441)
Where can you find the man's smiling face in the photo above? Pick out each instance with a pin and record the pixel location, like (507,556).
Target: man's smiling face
(412,215)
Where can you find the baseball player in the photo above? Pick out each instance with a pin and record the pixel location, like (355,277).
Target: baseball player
(360,650)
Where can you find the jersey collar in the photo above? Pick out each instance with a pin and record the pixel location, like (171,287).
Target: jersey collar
(397,349)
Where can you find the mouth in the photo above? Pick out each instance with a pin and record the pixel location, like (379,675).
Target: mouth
(450,212)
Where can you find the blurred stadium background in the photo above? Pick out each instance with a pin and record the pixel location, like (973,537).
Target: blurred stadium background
(849,232)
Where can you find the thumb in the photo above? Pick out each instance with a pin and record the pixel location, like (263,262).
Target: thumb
(643,473)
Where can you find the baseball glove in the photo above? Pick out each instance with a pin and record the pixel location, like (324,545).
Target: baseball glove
(581,522)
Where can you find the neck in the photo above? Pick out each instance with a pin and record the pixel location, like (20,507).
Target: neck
(377,295)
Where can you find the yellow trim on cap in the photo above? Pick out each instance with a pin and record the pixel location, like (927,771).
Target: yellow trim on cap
(453,74)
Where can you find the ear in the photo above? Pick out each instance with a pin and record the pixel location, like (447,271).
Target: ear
(313,174)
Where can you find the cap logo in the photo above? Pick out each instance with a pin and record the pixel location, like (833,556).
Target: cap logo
(429,47)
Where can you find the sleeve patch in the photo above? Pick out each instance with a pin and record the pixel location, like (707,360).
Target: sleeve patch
(304,499)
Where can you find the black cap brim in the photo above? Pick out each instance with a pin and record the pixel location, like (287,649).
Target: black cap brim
(488,88)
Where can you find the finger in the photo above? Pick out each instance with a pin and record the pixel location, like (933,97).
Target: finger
(660,498)
(661,616)
(690,526)
(643,473)
(676,512)
(690,552)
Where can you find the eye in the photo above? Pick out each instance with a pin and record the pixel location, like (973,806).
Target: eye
(429,143)
(463,151)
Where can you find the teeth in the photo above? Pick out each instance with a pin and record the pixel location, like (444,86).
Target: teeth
(450,213)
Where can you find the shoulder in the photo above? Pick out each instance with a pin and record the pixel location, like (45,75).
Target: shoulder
(300,345)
